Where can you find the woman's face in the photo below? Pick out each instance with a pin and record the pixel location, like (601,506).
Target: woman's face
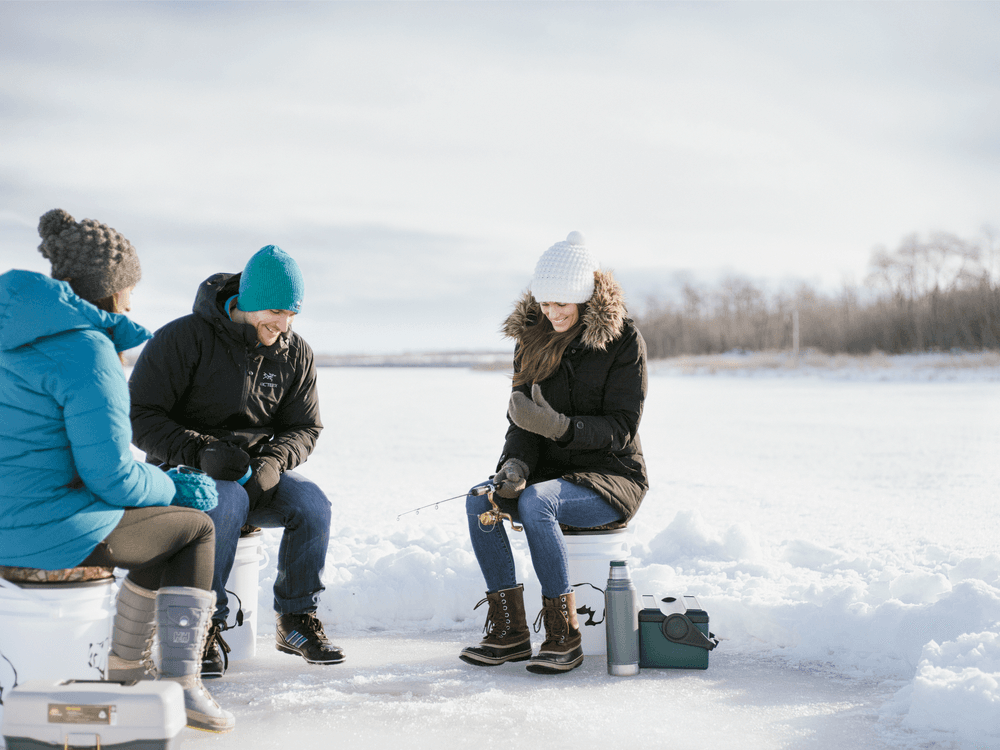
(562,315)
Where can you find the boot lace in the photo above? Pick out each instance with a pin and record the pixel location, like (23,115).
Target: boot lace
(556,621)
(215,637)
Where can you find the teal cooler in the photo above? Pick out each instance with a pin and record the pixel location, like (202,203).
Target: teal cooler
(674,634)
(45,714)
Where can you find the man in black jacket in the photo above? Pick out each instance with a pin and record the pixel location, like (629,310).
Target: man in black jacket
(231,389)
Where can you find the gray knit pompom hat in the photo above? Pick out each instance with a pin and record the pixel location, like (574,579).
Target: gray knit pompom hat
(95,259)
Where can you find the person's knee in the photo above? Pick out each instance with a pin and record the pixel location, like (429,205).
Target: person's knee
(233,506)
(534,508)
(310,506)
(476,504)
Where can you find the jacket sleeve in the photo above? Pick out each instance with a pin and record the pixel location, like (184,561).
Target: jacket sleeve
(159,380)
(297,422)
(622,400)
(94,397)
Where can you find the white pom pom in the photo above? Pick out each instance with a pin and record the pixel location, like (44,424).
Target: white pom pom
(575,238)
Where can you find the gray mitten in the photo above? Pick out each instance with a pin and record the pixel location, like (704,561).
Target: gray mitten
(535,414)
(511,478)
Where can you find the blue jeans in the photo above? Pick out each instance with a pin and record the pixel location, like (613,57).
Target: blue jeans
(303,510)
(540,509)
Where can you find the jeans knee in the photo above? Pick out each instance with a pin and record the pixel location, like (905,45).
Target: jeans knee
(476,504)
(233,506)
(534,508)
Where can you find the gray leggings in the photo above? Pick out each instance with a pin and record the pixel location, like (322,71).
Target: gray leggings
(160,546)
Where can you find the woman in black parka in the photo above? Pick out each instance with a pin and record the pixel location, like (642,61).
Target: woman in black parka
(572,454)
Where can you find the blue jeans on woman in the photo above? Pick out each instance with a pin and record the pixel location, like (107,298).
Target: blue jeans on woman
(540,509)
(303,510)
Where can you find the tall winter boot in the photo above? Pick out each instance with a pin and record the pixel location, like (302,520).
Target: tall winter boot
(507,635)
(132,634)
(183,616)
(562,649)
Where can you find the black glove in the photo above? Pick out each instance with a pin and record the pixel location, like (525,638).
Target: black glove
(224,460)
(535,415)
(263,482)
(511,479)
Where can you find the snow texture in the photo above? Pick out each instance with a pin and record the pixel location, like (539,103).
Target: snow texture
(838,523)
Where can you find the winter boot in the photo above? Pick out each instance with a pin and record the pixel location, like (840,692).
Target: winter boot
(132,634)
(183,616)
(562,649)
(302,633)
(215,660)
(507,635)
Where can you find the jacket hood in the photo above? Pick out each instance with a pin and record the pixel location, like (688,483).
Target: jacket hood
(209,303)
(34,306)
(602,322)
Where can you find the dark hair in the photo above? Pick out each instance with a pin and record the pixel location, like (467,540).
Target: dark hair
(540,349)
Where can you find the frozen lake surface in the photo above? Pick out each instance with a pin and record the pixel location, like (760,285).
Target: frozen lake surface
(839,526)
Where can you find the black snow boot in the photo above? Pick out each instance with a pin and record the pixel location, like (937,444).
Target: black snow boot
(215,661)
(302,633)
(507,635)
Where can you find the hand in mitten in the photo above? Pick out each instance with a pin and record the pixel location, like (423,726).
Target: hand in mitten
(193,488)
(511,479)
(263,482)
(535,414)
(225,460)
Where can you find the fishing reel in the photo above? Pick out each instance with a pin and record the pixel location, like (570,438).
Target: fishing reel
(494,515)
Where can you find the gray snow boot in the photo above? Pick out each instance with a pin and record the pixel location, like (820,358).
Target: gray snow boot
(183,616)
(132,634)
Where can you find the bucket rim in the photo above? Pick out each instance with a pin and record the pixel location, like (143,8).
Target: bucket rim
(64,584)
(596,532)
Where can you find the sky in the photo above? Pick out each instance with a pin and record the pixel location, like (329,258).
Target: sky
(416,158)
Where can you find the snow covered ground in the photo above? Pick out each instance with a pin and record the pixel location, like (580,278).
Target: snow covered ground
(838,521)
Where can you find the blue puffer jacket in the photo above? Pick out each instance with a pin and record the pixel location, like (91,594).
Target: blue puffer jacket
(66,469)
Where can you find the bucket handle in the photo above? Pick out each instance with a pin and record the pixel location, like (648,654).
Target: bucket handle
(265,559)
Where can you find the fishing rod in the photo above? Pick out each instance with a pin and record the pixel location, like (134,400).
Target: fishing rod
(490,517)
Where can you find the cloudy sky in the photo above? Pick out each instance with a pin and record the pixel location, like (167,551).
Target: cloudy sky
(416,158)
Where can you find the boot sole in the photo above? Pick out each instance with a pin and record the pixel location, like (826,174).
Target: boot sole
(290,650)
(549,667)
(486,661)
(212,730)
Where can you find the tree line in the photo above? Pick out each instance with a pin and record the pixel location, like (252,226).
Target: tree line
(933,293)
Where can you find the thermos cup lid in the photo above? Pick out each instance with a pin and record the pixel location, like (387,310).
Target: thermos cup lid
(618,563)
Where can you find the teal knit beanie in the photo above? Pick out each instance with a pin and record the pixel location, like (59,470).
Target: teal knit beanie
(271,281)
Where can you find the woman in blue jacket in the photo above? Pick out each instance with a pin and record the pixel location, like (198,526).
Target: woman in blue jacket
(71,493)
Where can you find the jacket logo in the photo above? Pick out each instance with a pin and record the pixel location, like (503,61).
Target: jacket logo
(268,376)
(268,381)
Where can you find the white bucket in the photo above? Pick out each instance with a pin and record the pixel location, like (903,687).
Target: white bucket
(590,554)
(54,631)
(243,589)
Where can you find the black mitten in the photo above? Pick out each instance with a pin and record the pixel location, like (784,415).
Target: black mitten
(224,460)
(263,482)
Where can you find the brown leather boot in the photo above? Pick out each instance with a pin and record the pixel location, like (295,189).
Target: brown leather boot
(507,635)
(562,649)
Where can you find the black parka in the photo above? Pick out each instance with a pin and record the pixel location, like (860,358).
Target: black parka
(601,385)
(204,377)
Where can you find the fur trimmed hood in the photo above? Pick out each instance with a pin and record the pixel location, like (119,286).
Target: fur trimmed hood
(602,322)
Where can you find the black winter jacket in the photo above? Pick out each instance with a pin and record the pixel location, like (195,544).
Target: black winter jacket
(204,377)
(601,385)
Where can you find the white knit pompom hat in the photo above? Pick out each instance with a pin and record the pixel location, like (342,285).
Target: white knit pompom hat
(565,272)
